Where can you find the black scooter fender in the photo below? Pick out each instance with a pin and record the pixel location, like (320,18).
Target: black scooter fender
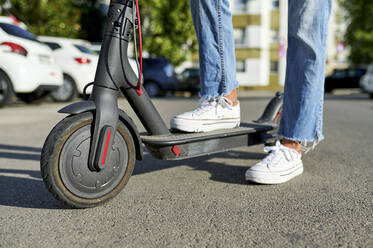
(86,106)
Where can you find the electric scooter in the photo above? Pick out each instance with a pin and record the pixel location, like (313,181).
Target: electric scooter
(89,156)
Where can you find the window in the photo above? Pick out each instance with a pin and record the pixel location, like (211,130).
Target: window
(52,45)
(355,72)
(17,31)
(274,67)
(189,73)
(241,66)
(274,36)
(240,5)
(275,4)
(339,74)
(240,36)
(192,72)
(84,49)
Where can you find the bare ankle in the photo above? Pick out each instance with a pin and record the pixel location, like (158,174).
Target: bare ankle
(292,144)
(232,96)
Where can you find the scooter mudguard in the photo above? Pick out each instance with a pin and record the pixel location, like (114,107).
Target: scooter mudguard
(78,107)
(86,106)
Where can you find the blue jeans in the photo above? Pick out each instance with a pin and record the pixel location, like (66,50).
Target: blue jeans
(304,84)
(213,24)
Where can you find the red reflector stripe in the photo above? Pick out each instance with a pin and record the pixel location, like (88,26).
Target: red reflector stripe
(277,117)
(176,151)
(106,147)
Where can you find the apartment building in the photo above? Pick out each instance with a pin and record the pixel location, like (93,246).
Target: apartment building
(260,30)
(260,37)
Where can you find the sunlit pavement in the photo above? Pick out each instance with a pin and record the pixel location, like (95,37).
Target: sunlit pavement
(201,202)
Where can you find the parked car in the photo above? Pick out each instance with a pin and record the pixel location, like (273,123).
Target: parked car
(159,76)
(366,82)
(12,20)
(77,62)
(27,67)
(344,78)
(96,47)
(189,80)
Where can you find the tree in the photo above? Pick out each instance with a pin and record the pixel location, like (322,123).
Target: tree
(43,17)
(359,34)
(168,29)
(167,25)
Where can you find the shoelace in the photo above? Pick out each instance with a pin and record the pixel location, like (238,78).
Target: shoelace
(212,103)
(273,157)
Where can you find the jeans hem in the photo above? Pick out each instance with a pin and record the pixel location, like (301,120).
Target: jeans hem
(217,94)
(316,139)
(307,144)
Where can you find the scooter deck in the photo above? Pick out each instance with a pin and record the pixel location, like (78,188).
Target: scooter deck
(181,145)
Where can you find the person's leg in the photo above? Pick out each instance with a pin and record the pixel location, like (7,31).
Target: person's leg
(304,90)
(213,24)
(305,73)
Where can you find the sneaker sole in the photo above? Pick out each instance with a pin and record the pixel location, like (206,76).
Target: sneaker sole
(275,178)
(205,126)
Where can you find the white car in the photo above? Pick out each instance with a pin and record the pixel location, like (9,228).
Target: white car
(366,82)
(77,62)
(96,47)
(27,67)
(12,20)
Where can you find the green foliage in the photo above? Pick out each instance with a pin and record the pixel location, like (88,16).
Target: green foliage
(48,17)
(359,35)
(167,25)
(168,29)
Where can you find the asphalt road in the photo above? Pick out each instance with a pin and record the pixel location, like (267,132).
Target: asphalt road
(201,202)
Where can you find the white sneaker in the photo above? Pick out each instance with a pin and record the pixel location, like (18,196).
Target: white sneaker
(281,165)
(212,114)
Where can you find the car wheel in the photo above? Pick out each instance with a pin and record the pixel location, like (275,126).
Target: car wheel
(152,88)
(6,89)
(371,95)
(67,92)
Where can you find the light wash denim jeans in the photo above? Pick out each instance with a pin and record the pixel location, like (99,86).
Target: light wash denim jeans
(304,86)
(213,24)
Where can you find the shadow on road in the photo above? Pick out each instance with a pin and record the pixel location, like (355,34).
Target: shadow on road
(26,192)
(20,156)
(35,155)
(25,188)
(220,172)
(20,148)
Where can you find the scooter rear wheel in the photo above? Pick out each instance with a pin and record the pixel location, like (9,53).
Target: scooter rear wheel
(64,163)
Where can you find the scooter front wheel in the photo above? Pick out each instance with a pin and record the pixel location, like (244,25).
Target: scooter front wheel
(64,163)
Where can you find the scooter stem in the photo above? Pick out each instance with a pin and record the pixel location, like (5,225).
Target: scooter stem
(115,73)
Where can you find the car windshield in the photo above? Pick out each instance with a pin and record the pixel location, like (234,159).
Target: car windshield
(339,74)
(52,45)
(17,31)
(191,73)
(84,49)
